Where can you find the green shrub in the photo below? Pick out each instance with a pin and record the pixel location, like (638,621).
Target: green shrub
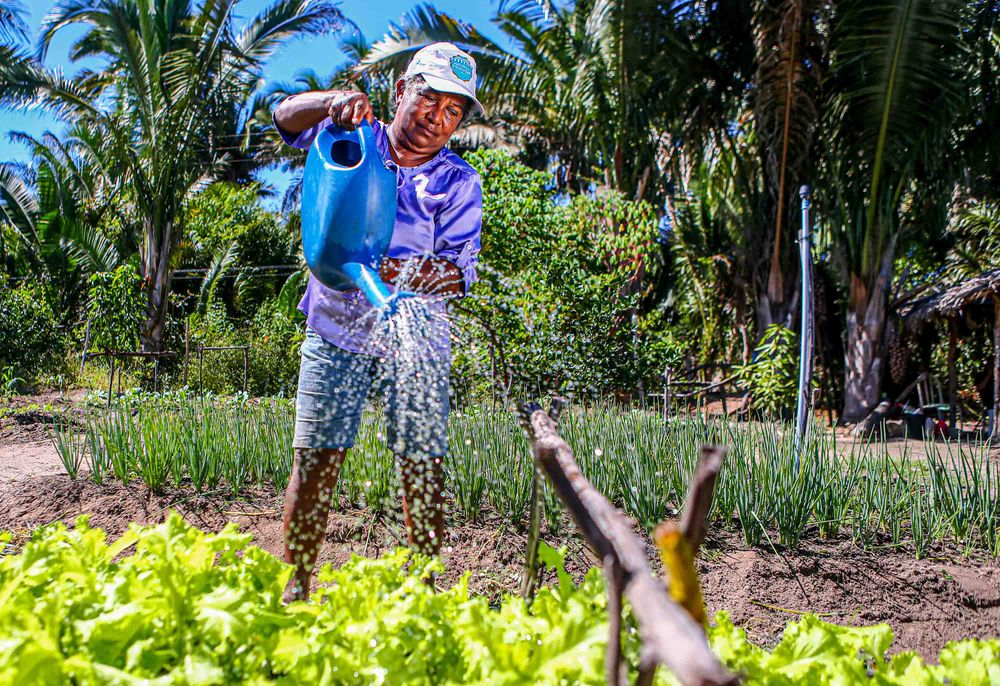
(230,216)
(561,283)
(274,364)
(773,375)
(115,307)
(31,343)
(273,359)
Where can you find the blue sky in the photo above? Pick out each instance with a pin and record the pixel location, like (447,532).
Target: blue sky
(320,53)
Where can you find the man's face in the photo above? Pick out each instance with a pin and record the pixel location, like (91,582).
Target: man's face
(427,118)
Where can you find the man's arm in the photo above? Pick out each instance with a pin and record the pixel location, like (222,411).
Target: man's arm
(435,276)
(346,109)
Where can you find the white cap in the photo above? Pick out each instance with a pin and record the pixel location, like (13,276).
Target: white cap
(447,69)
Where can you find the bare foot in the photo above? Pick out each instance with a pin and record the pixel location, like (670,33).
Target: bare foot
(295,591)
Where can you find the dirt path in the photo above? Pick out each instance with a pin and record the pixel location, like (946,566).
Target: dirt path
(28,460)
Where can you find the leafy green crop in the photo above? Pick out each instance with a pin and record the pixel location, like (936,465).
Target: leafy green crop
(170,604)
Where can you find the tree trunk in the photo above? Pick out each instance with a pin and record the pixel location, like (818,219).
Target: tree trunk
(786,86)
(866,316)
(996,366)
(156,279)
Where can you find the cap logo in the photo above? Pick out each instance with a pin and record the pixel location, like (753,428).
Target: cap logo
(461,67)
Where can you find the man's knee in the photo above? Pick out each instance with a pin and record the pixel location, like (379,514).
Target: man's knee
(322,461)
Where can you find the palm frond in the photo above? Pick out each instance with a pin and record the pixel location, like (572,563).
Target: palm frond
(93,251)
(222,261)
(977,239)
(291,292)
(18,201)
(12,25)
(285,19)
(25,84)
(64,13)
(388,56)
(895,67)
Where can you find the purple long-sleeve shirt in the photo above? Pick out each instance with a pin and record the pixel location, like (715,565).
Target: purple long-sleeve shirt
(439,213)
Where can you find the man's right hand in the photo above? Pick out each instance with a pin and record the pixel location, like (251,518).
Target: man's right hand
(348,108)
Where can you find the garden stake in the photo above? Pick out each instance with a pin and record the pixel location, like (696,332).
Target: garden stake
(534,526)
(807,328)
(615,669)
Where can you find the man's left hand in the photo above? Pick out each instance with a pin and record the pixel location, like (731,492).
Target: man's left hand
(434,276)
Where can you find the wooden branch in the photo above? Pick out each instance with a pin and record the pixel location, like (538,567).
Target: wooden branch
(534,534)
(646,673)
(530,579)
(699,501)
(668,634)
(679,541)
(616,673)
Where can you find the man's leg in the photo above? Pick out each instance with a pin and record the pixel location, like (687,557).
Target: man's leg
(423,501)
(333,384)
(310,490)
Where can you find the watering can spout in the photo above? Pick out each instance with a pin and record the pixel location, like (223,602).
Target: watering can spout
(374,289)
(349,211)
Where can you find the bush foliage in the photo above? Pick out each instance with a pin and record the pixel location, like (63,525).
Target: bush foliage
(33,343)
(561,283)
(115,307)
(773,375)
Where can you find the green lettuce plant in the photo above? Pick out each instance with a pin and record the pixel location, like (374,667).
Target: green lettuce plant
(170,604)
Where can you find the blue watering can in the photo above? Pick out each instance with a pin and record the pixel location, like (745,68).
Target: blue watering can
(348,212)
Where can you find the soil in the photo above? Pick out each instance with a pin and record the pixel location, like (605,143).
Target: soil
(927,602)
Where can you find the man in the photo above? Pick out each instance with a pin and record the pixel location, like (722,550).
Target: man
(433,252)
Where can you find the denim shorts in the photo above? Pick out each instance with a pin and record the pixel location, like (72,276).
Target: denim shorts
(334,385)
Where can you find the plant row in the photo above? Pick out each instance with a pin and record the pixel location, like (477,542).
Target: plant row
(770,482)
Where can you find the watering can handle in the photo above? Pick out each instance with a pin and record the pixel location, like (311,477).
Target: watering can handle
(366,138)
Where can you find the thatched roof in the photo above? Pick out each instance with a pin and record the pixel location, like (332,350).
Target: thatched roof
(952,300)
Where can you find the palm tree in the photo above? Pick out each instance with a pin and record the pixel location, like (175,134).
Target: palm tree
(13,30)
(586,85)
(175,72)
(619,92)
(789,55)
(895,91)
(706,215)
(53,208)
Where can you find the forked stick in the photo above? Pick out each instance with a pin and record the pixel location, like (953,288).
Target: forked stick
(668,633)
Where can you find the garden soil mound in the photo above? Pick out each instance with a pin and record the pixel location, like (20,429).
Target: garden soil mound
(927,602)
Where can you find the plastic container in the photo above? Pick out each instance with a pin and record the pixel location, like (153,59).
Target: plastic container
(348,212)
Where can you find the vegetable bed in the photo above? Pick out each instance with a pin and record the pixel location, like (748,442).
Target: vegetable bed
(170,604)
